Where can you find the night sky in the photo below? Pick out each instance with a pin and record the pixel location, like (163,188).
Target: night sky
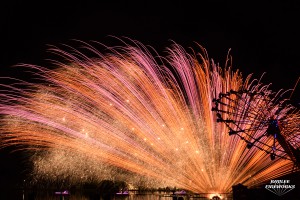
(262,37)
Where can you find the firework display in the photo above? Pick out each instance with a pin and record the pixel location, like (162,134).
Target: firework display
(127,115)
(256,115)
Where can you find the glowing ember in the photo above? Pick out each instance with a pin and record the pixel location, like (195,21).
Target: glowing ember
(126,116)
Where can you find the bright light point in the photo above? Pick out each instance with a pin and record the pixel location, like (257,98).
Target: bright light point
(211,196)
(202,170)
(110,104)
(158,138)
(132,129)
(176,149)
(182,129)
(187,142)
(86,134)
(197,152)
(151,144)
(163,125)
(145,139)
(64,119)
(127,100)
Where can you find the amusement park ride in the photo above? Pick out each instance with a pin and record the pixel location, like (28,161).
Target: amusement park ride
(262,120)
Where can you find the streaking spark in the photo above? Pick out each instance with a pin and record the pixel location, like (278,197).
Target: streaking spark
(129,115)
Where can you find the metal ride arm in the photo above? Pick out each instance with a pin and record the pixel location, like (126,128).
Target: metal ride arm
(246,112)
(293,153)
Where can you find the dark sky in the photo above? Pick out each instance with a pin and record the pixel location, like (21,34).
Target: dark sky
(263,37)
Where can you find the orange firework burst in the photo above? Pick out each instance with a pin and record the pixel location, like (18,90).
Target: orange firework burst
(127,115)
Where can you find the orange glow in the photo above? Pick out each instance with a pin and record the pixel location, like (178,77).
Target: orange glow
(130,117)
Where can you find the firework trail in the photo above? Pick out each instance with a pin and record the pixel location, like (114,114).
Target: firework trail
(130,116)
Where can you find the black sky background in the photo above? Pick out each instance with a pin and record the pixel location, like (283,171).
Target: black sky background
(263,37)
